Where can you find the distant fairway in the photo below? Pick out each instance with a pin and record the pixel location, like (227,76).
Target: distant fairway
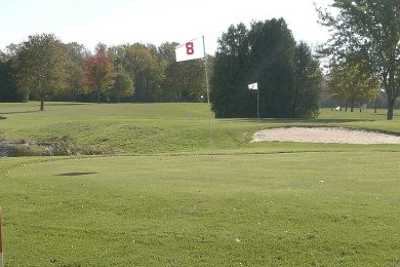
(189,191)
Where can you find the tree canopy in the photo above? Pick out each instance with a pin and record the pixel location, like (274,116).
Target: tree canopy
(287,73)
(370,28)
(40,66)
(70,71)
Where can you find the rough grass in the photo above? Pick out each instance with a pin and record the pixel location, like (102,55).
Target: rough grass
(203,201)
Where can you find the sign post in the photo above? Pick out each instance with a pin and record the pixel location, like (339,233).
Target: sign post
(1,239)
(254,87)
(206,71)
(191,50)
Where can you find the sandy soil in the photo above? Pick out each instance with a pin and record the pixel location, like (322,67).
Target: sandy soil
(325,136)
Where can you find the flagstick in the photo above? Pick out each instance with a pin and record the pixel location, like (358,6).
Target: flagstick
(258,103)
(206,71)
(208,91)
(1,239)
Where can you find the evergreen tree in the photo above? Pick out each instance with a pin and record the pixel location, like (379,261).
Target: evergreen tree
(288,76)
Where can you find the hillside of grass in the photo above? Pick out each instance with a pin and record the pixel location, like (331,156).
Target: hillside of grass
(155,128)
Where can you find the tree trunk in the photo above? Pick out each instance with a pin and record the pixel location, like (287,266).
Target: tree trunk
(390,112)
(98,96)
(41,103)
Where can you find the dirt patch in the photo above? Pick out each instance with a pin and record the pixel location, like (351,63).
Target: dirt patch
(325,135)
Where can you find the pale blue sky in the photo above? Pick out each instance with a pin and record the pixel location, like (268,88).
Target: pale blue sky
(129,21)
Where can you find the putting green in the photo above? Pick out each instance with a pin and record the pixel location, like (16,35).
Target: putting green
(237,209)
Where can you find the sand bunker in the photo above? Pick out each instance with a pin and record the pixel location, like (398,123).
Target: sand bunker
(324,136)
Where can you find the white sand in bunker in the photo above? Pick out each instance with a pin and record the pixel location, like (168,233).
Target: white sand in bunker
(324,136)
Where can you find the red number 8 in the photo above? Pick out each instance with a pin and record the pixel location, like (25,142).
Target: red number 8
(190,48)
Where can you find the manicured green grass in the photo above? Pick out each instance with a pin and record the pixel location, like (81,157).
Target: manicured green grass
(190,191)
(295,209)
(155,128)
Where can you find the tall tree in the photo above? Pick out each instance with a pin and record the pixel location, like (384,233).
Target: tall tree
(288,76)
(229,94)
(308,80)
(8,85)
(351,82)
(273,51)
(41,66)
(141,63)
(2,56)
(370,27)
(123,86)
(99,72)
(76,56)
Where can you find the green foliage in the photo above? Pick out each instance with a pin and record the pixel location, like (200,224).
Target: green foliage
(76,56)
(229,94)
(370,28)
(308,79)
(142,64)
(288,77)
(123,86)
(352,82)
(40,66)
(8,85)
(184,81)
(153,70)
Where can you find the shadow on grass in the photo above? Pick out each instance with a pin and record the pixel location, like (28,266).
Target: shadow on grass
(74,174)
(66,104)
(19,112)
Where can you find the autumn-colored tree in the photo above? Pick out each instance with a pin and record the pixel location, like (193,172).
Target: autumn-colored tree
(99,72)
(76,56)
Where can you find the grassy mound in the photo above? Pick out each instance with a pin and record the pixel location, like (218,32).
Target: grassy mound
(153,128)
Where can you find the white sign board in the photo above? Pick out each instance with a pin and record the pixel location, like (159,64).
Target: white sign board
(253,87)
(190,50)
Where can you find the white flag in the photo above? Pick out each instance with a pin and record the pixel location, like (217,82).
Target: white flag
(190,50)
(253,87)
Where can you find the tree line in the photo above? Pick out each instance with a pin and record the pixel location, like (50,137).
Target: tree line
(364,50)
(44,68)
